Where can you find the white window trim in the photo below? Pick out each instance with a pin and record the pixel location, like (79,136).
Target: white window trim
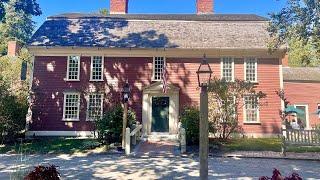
(88,99)
(307,114)
(256,70)
(245,113)
(64,105)
(153,67)
(221,67)
(79,70)
(91,68)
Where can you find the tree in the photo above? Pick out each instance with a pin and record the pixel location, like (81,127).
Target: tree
(300,20)
(224,102)
(16,21)
(104,11)
(301,54)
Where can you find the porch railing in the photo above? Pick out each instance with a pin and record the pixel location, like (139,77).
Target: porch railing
(132,137)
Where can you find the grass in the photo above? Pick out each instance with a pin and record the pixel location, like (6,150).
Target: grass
(52,146)
(264,144)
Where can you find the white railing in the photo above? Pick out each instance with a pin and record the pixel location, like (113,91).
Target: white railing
(132,137)
(182,139)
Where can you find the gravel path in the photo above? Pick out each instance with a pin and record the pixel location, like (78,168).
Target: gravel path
(120,167)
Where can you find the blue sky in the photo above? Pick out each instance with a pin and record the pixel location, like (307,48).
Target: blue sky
(260,7)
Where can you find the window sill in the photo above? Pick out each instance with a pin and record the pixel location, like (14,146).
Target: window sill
(252,123)
(71,120)
(96,80)
(71,80)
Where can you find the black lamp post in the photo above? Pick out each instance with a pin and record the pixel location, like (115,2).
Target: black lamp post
(125,98)
(204,76)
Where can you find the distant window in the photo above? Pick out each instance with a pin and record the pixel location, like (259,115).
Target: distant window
(71,106)
(158,63)
(250,71)
(227,68)
(318,109)
(73,71)
(251,108)
(95,106)
(96,68)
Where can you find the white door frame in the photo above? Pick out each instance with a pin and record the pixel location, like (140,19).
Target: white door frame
(307,114)
(155,90)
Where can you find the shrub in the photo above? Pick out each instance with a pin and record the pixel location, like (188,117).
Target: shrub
(109,127)
(190,121)
(277,175)
(44,172)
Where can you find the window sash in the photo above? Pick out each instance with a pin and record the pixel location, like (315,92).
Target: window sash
(96,68)
(71,107)
(250,69)
(158,63)
(94,106)
(251,109)
(227,68)
(73,68)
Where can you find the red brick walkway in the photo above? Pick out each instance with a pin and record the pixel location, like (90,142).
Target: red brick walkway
(165,148)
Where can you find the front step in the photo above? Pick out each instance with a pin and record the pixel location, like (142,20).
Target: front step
(162,137)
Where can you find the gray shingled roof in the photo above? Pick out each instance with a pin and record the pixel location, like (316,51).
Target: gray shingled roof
(301,74)
(153,31)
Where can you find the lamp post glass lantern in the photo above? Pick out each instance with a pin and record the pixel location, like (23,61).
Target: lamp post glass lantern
(204,75)
(125,98)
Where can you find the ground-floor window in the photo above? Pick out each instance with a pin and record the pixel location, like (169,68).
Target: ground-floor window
(71,106)
(251,109)
(95,106)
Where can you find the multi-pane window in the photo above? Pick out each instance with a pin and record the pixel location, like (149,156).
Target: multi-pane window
(251,108)
(227,66)
(158,63)
(96,68)
(251,69)
(95,106)
(73,68)
(71,106)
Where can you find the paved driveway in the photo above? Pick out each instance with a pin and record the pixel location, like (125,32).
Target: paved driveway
(119,167)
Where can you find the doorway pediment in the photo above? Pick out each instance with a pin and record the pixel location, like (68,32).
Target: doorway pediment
(157,87)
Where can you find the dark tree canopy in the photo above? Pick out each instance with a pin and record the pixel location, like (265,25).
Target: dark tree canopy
(300,18)
(30,7)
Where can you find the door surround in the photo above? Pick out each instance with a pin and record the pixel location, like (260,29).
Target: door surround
(155,90)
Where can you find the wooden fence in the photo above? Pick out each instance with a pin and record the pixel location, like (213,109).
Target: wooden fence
(299,137)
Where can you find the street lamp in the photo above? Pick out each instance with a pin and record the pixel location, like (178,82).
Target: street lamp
(204,76)
(125,98)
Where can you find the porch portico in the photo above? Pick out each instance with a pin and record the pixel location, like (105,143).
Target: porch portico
(160,111)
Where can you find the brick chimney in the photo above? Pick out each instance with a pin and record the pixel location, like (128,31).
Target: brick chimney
(205,6)
(119,6)
(13,48)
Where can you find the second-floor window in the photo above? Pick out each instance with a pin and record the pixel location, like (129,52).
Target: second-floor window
(158,63)
(95,106)
(251,109)
(250,71)
(227,68)
(96,68)
(73,71)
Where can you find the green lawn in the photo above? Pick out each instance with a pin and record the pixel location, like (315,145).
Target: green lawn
(52,145)
(263,144)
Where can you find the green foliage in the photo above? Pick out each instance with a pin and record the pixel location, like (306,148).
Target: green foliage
(16,22)
(13,97)
(109,127)
(300,18)
(224,102)
(190,118)
(104,11)
(301,54)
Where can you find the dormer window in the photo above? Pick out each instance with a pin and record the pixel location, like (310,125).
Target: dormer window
(158,63)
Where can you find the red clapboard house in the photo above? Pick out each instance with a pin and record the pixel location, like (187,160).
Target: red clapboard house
(81,62)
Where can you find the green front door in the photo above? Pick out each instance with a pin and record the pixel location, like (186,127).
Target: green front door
(160,114)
